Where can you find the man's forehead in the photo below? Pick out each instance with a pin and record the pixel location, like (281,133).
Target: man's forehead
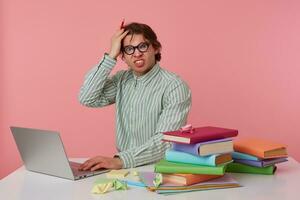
(134,39)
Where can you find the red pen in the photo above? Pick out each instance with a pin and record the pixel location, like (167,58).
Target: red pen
(122,24)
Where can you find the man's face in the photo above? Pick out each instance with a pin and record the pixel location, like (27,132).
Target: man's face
(140,61)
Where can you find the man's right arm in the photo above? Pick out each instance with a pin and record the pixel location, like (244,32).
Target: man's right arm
(99,89)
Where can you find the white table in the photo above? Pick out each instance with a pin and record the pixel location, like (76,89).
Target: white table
(23,184)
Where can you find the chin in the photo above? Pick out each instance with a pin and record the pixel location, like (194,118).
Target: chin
(142,70)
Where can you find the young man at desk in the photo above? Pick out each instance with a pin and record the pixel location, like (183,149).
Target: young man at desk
(149,100)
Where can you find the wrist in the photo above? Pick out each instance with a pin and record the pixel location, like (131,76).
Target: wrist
(113,56)
(118,162)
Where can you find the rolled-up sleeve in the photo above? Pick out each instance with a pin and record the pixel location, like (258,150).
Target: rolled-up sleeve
(98,88)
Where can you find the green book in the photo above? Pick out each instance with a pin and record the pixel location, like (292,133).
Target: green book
(164,166)
(242,168)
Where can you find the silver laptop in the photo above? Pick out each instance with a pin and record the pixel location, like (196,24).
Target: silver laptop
(42,151)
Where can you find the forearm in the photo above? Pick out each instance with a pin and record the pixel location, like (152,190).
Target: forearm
(149,152)
(97,88)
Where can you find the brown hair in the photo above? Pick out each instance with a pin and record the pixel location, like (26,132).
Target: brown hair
(147,32)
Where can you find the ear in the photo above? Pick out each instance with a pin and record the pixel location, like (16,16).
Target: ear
(121,55)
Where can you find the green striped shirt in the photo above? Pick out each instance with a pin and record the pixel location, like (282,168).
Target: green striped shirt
(146,106)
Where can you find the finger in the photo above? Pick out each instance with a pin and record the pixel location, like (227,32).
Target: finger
(83,165)
(86,162)
(89,165)
(80,167)
(119,32)
(124,34)
(96,167)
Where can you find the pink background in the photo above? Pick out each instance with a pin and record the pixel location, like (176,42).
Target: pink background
(240,58)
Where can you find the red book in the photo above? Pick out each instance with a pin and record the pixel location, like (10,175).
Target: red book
(200,134)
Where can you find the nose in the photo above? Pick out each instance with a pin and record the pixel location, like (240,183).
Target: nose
(137,53)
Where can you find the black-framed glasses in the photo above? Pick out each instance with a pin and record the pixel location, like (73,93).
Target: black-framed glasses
(142,47)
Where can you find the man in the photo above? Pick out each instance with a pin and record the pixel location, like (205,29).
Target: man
(149,100)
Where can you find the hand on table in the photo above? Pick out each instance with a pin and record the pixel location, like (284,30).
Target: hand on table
(99,162)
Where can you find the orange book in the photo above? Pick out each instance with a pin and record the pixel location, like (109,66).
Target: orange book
(187,179)
(260,148)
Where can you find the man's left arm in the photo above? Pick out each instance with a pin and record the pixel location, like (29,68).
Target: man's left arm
(176,105)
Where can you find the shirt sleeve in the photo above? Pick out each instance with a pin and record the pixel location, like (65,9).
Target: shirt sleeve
(98,88)
(176,105)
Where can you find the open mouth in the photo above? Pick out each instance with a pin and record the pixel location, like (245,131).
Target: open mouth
(139,63)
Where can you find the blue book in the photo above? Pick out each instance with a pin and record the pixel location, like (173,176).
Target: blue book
(135,183)
(244,156)
(206,148)
(212,160)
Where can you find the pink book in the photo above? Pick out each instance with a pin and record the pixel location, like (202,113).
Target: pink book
(199,134)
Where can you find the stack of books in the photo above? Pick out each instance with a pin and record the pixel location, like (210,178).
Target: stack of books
(257,156)
(197,156)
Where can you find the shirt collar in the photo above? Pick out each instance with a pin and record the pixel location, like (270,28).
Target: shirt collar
(146,78)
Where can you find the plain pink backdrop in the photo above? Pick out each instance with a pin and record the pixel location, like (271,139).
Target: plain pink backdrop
(240,58)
